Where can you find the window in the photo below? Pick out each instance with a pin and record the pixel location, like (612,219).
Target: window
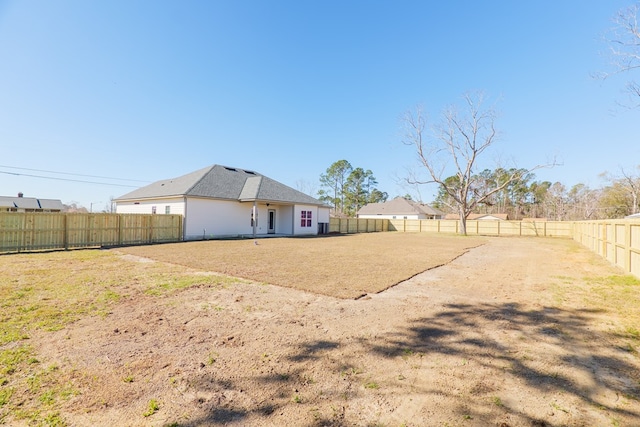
(167,209)
(305,218)
(153,210)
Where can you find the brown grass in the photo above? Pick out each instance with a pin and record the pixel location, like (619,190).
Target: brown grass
(342,266)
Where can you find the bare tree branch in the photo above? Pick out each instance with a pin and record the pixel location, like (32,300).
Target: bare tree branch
(458,141)
(624,50)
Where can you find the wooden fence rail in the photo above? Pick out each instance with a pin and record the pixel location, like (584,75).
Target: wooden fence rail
(618,241)
(484,228)
(39,231)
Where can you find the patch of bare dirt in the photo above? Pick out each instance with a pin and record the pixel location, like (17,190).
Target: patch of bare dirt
(496,337)
(343,266)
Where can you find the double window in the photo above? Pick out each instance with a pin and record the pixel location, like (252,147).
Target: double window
(305,218)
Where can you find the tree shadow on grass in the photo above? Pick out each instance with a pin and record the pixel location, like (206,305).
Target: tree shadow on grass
(557,352)
(525,342)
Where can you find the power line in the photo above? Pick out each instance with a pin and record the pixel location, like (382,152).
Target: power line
(68,173)
(69,179)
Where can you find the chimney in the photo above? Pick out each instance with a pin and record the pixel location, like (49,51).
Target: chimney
(20,194)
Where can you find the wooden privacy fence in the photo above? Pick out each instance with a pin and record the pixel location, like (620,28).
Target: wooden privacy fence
(39,231)
(485,228)
(617,241)
(353,225)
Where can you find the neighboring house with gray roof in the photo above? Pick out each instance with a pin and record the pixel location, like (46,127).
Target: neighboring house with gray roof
(399,208)
(29,204)
(221,201)
(482,217)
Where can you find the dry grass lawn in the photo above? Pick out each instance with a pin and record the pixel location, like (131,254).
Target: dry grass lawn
(343,266)
(509,332)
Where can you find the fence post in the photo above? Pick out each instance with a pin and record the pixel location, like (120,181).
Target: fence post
(120,229)
(627,247)
(604,239)
(65,237)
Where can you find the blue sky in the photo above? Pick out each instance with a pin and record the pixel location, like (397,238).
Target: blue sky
(148,90)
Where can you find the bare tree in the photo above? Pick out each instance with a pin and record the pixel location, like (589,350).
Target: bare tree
(306,187)
(624,49)
(458,142)
(628,187)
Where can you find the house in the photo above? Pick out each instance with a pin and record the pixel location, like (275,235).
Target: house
(29,204)
(634,216)
(399,208)
(222,201)
(480,217)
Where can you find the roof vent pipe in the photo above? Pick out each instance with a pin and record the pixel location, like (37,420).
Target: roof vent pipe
(20,194)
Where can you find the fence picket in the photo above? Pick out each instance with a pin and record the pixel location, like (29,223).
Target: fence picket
(30,231)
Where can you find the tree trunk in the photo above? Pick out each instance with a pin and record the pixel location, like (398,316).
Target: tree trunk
(463,222)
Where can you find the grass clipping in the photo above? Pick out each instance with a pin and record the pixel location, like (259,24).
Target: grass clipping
(342,266)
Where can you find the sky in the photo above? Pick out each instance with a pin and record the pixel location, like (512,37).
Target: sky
(100,97)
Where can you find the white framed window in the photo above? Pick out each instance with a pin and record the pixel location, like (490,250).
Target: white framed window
(167,210)
(305,218)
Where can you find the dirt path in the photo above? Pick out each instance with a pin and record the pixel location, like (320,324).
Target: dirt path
(501,336)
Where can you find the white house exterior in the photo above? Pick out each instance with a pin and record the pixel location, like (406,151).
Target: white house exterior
(220,201)
(399,208)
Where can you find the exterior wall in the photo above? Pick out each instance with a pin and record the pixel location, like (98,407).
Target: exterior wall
(284,219)
(176,206)
(298,230)
(209,219)
(323,215)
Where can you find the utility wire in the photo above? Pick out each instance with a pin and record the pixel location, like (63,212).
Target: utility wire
(68,173)
(69,179)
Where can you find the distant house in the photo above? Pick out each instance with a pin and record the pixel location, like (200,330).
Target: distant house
(29,204)
(634,216)
(222,201)
(399,208)
(481,217)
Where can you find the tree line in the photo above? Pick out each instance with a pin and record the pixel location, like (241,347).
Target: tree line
(348,189)
(526,197)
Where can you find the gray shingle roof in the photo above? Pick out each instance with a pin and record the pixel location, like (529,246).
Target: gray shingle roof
(222,182)
(30,203)
(398,206)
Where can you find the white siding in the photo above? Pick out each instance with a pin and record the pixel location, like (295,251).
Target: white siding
(323,214)
(284,219)
(208,218)
(176,206)
(297,218)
